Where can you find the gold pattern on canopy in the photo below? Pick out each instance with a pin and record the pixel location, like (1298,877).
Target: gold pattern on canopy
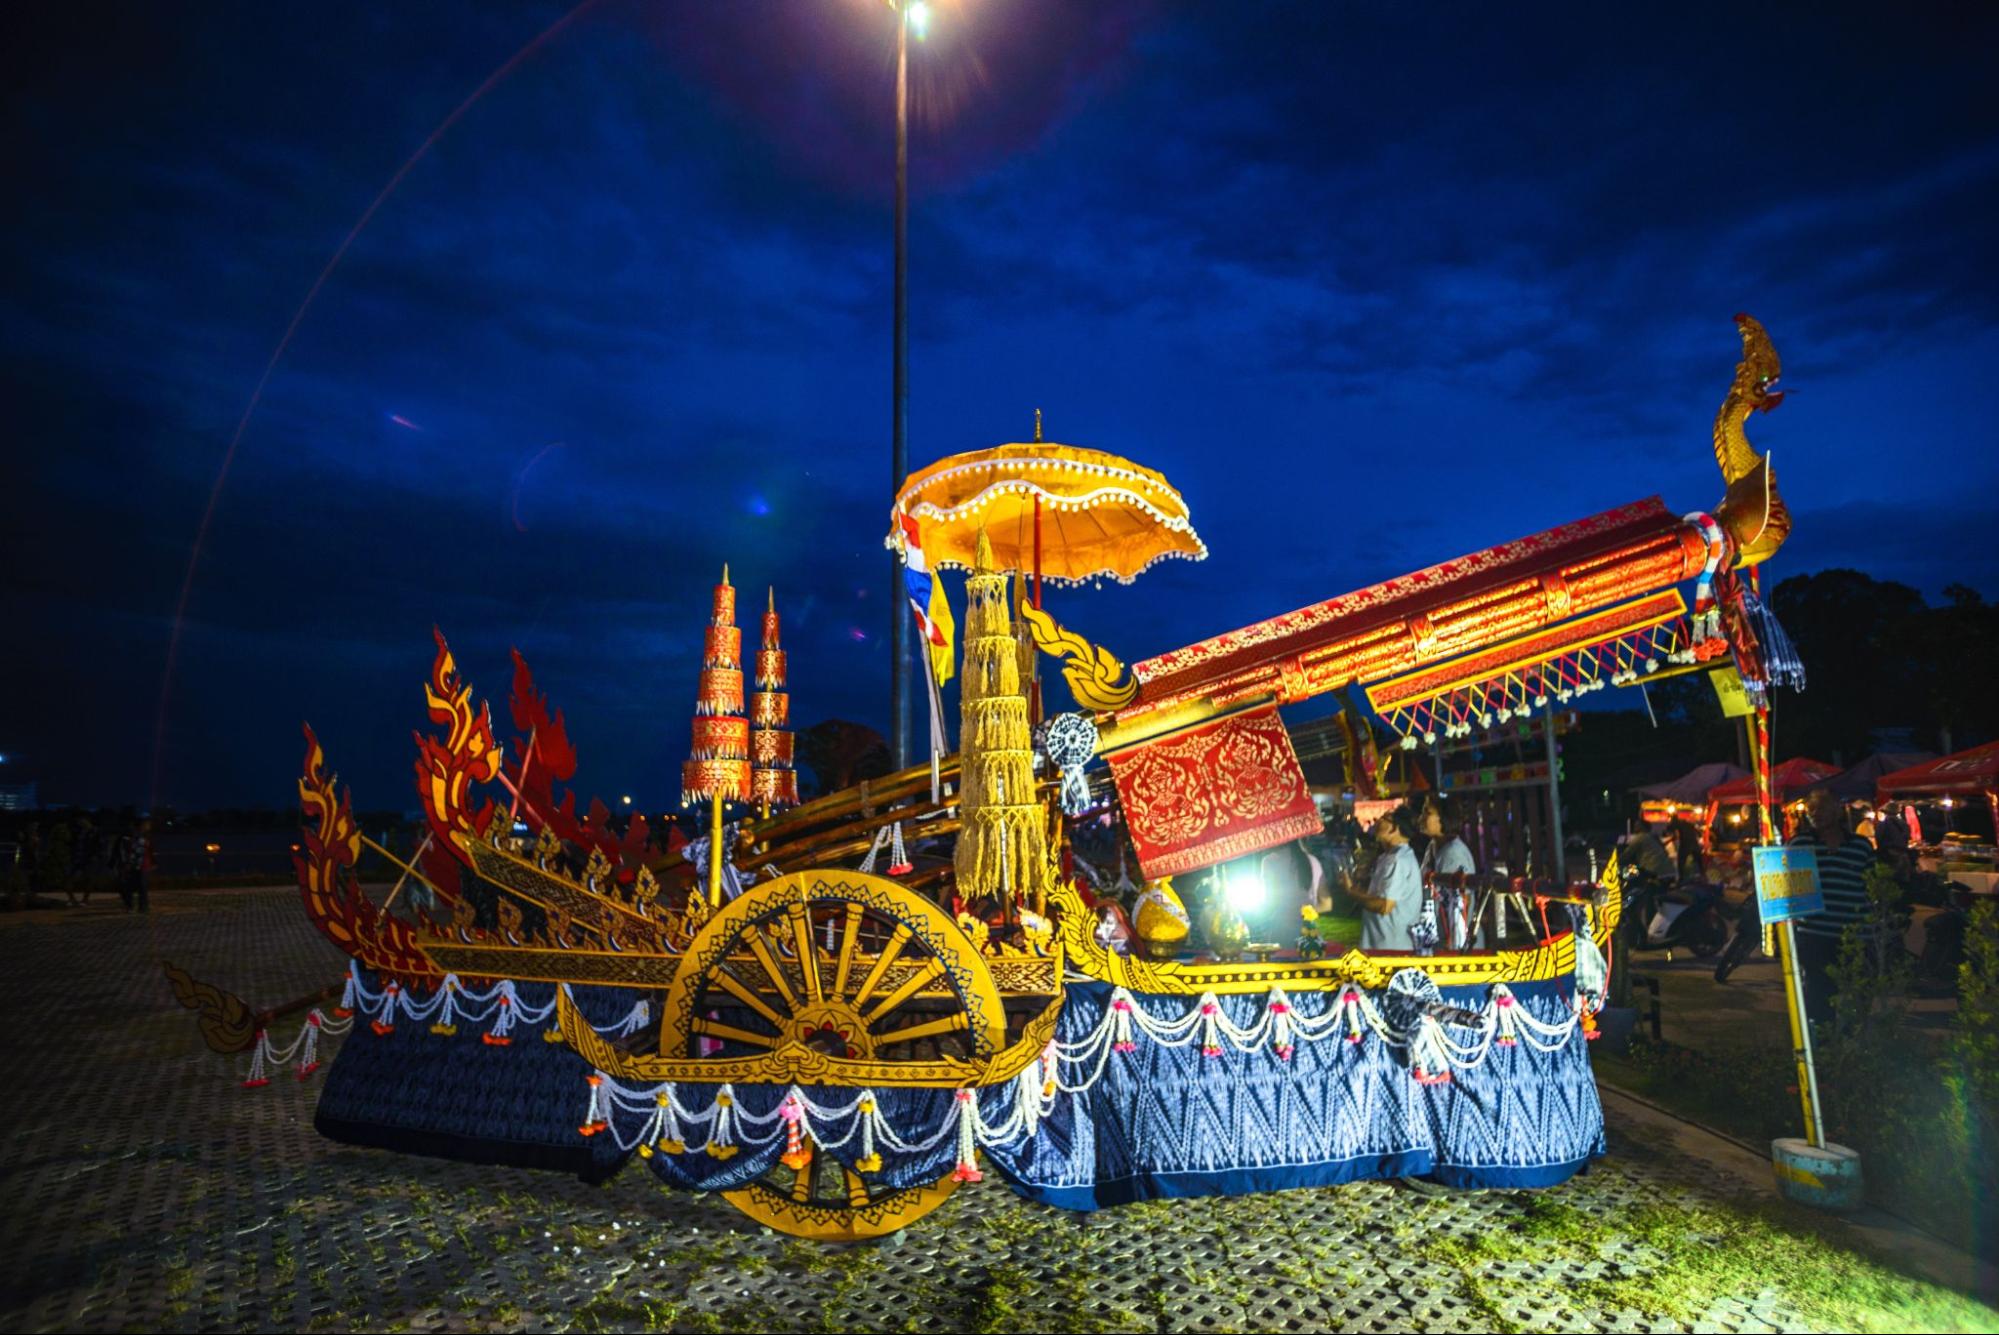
(1102,516)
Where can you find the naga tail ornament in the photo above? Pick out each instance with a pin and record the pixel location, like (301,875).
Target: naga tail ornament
(1751,511)
(331,845)
(447,769)
(1096,677)
(546,758)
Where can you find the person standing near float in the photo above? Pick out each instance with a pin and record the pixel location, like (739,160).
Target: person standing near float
(1447,855)
(1843,860)
(1394,900)
(139,869)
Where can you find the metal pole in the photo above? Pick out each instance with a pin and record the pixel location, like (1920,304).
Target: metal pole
(898,619)
(715,851)
(1559,861)
(1034,688)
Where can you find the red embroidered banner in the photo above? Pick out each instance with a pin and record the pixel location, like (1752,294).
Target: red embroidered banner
(1213,793)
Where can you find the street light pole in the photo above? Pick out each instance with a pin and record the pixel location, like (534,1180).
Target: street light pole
(898,641)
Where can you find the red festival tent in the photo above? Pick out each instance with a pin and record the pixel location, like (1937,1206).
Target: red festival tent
(1791,779)
(1973,771)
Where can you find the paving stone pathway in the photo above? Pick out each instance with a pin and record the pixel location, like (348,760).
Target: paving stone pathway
(141,1188)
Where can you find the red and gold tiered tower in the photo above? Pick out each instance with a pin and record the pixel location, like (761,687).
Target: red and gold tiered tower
(773,781)
(717,769)
(718,764)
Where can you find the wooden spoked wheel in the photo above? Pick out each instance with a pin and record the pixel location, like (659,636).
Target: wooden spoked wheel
(841,963)
(828,1202)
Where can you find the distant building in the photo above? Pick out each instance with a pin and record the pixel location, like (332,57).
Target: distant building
(18,797)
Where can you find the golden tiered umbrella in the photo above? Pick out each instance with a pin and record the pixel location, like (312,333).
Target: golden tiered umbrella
(1068,514)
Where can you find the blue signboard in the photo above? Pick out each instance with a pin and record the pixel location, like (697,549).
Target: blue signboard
(1787,883)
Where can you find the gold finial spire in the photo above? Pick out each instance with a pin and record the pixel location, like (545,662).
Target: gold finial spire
(725,572)
(773,597)
(1037,426)
(982,559)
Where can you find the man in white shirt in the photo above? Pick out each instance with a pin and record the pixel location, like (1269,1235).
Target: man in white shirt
(1394,899)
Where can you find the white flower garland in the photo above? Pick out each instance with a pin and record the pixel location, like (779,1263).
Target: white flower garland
(1434,1053)
(266,1055)
(664,1120)
(501,1004)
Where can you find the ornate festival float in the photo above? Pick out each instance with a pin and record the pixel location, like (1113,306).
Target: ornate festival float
(836,1048)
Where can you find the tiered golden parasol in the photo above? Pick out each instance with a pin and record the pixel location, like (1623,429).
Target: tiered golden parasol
(1059,512)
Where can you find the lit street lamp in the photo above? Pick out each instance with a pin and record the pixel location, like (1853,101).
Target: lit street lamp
(909,14)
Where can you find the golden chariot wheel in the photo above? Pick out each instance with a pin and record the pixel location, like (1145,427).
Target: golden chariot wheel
(846,965)
(826,1201)
(841,963)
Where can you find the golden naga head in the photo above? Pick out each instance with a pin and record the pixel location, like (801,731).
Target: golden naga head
(1758,373)
(1751,511)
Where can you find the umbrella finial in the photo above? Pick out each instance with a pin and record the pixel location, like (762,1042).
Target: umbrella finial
(982,559)
(1037,426)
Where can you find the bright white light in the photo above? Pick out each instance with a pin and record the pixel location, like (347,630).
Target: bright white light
(919,18)
(1245,892)
(626,799)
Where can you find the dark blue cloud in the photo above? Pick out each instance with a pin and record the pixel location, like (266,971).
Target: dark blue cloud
(1374,285)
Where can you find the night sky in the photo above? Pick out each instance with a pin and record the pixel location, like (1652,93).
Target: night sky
(1374,284)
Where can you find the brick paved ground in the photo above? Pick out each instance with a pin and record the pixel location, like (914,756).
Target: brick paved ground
(143,1189)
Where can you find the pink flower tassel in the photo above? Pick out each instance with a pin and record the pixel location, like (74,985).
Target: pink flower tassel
(1280,1025)
(597,1116)
(386,1024)
(795,1156)
(967,1169)
(258,1075)
(1211,1032)
(503,1023)
(308,1060)
(1121,1038)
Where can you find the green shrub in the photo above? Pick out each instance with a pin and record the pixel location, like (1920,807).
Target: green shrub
(1918,1105)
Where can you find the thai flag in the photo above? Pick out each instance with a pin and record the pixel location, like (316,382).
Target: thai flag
(926,600)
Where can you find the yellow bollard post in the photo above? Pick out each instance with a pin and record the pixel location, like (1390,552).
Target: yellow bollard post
(1786,940)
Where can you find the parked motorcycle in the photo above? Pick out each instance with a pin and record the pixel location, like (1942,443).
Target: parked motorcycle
(1935,969)
(1747,940)
(1662,916)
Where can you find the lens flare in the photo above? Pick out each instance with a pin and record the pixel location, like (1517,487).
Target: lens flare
(277,354)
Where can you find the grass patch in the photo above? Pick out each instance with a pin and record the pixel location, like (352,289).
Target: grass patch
(1746,1246)
(1736,1088)
(612,1312)
(1548,1219)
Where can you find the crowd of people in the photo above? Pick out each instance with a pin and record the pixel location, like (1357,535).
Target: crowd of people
(1847,853)
(75,859)
(1404,877)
